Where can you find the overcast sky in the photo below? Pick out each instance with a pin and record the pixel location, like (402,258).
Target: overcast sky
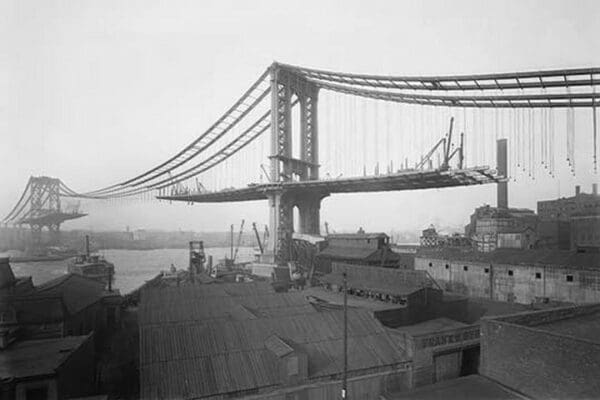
(95,92)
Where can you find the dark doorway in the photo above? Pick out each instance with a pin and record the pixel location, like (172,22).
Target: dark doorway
(470,361)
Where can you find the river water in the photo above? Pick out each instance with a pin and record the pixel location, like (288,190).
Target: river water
(132,267)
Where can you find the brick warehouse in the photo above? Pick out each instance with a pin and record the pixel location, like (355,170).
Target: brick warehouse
(522,276)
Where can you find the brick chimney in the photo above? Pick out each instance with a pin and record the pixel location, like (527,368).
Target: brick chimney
(595,188)
(501,166)
(577,190)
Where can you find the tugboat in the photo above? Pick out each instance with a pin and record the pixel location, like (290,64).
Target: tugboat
(92,266)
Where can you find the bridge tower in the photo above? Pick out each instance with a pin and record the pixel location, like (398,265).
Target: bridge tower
(289,90)
(45,200)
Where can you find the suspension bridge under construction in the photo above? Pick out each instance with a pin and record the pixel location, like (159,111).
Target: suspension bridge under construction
(298,135)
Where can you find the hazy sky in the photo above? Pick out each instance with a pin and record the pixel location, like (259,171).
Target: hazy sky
(97,91)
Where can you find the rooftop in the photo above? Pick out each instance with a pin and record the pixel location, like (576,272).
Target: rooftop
(432,325)
(203,302)
(324,297)
(357,236)
(78,292)
(202,340)
(37,357)
(359,253)
(578,322)
(562,258)
(472,387)
(207,358)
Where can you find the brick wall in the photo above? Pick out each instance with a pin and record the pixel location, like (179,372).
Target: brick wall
(539,364)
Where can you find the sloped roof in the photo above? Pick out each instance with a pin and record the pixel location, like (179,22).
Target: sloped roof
(7,277)
(466,387)
(201,302)
(37,308)
(78,292)
(384,280)
(562,258)
(201,340)
(37,357)
(205,358)
(358,236)
(357,253)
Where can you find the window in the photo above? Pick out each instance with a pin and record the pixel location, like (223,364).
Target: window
(510,272)
(431,264)
(538,275)
(486,270)
(447,266)
(37,393)
(465,268)
(569,278)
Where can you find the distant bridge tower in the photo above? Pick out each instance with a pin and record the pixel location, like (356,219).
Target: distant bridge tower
(289,90)
(45,200)
(44,209)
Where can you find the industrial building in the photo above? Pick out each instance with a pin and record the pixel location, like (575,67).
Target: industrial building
(360,248)
(545,354)
(522,276)
(51,369)
(244,340)
(68,305)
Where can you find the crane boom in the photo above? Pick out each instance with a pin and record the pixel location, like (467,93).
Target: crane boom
(239,241)
(260,246)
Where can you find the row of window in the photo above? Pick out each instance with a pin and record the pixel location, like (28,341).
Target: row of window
(538,275)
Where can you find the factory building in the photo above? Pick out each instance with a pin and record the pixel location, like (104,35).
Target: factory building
(52,369)
(68,305)
(564,208)
(547,354)
(244,340)
(360,248)
(492,227)
(572,222)
(565,341)
(522,276)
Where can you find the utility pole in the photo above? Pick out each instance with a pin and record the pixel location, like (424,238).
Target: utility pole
(345,377)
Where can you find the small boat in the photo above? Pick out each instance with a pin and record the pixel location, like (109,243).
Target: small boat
(92,266)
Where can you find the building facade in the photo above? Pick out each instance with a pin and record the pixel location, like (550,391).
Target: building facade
(522,276)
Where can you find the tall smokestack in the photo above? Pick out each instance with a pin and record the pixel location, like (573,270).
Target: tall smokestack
(595,188)
(501,166)
(577,190)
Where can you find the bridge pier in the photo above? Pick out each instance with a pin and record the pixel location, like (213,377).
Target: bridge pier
(281,218)
(309,207)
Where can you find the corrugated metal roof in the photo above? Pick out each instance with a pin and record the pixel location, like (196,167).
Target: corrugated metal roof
(201,357)
(358,236)
(561,258)
(189,304)
(357,253)
(383,280)
(235,351)
(382,286)
(37,357)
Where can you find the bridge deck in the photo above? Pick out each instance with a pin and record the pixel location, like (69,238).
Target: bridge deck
(404,180)
(51,218)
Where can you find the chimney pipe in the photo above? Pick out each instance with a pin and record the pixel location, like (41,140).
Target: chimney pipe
(501,161)
(577,190)
(595,188)
(87,246)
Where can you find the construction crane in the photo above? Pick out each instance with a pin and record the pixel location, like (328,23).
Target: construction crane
(239,241)
(446,143)
(260,246)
